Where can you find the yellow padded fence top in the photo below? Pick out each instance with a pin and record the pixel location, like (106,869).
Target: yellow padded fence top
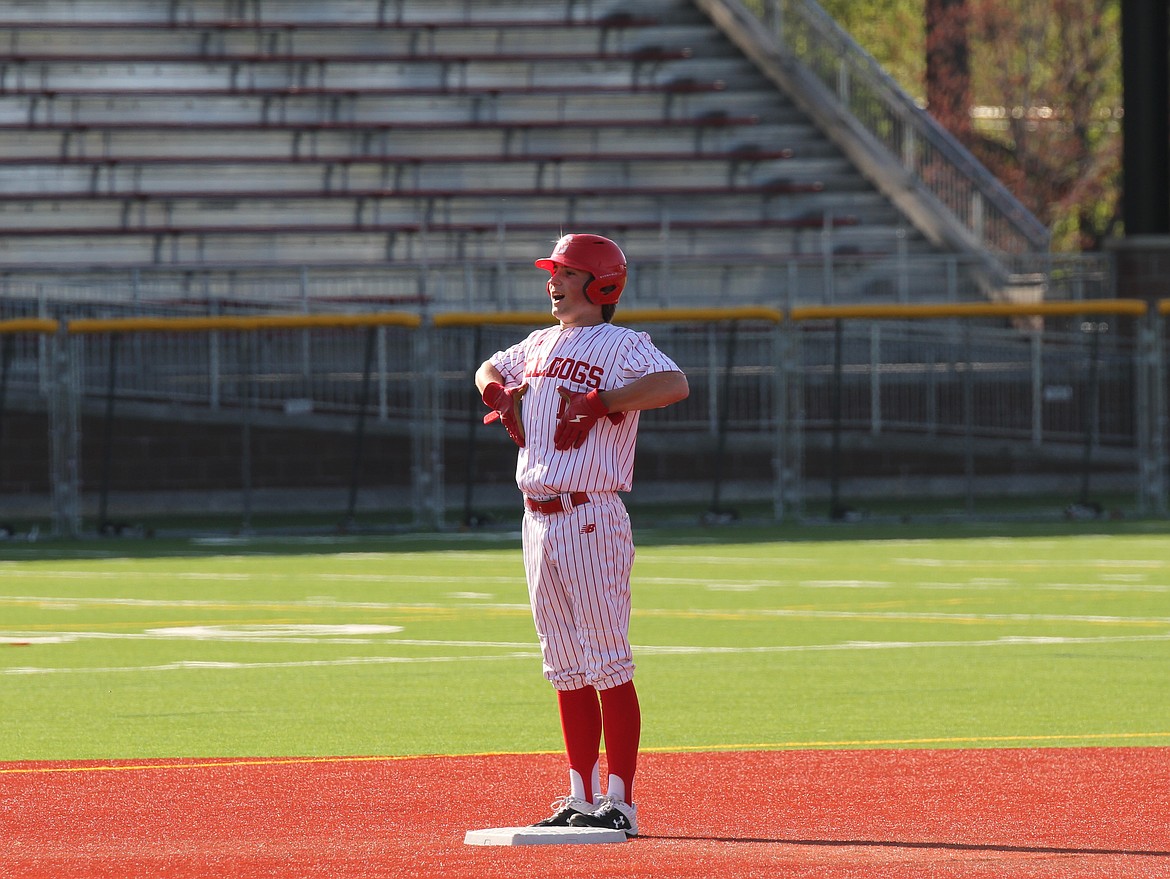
(1130,307)
(633,315)
(246,322)
(29,325)
(90,326)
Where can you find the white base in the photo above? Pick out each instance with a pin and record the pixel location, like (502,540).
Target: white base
(543,836)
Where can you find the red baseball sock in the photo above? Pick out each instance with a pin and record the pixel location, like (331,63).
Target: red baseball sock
(581,725)
(622,720)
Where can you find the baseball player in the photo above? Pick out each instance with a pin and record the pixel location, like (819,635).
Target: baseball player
(570,395)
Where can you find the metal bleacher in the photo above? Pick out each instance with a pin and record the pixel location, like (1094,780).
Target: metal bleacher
(427,142)
(398,159)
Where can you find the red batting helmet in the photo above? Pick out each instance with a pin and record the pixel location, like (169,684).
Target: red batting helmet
(598,256)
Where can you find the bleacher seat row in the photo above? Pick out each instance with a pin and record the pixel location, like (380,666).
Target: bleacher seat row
(205,132)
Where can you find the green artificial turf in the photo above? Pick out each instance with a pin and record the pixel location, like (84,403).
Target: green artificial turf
(744,638)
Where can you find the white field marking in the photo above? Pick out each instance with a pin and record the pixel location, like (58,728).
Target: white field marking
(338,540)
(1005,641)
(845,584)
(763,613)
(771,613)
(352,633)
(749,585)
(470,596)
(152,576)
(238,635)
(980,583)
(1103,587)
(646,558)
(189,665)
(746,585)
(395,558)
(343,634)
(278,634)
(316,603)
(49,573)
(1131,563)
(197,665)
(129,575)
(906,615)
(413,578)
(924,562)
(246,541)
(1049,587)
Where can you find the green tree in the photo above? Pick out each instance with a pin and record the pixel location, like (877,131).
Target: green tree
(1045,97)
(1051,74)
(893,31)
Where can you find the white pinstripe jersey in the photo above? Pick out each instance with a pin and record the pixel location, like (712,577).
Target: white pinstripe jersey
(601,357)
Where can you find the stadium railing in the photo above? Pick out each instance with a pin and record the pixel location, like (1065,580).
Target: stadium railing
(790,408)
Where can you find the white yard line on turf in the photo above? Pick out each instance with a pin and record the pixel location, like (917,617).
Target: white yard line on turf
(644,650)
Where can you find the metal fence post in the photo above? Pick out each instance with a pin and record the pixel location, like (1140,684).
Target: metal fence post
(1151,414)
(968,418)
(383,378)
(426,433)
(248,368)
(724,418)
(108,435)
(1092,413)
(1162,415)
(875,378)
(1036,349)
(794,403)
(837,509)
(9,351)
(64,439)
(359,431)
(782,454)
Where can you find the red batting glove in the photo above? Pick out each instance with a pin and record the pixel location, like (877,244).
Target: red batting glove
(581,412)
(505,406)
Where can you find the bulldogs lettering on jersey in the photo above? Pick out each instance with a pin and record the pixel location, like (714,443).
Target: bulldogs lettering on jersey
(570,370)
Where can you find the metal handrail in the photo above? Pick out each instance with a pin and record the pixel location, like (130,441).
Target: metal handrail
(926,150)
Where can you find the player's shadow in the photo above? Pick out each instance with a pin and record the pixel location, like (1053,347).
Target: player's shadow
(943,846)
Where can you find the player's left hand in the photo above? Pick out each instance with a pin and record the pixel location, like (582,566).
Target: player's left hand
(581,412)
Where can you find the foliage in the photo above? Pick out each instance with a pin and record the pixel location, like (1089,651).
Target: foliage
(1055,69)
(1045,94)
(893,31)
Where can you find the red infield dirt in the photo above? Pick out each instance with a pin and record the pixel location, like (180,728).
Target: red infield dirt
(1076,812)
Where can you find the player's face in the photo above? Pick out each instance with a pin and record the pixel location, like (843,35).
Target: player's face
(566,288)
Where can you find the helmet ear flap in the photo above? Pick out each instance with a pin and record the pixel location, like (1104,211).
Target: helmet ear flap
(600,293)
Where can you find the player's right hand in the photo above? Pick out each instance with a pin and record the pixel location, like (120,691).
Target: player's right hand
(505,406)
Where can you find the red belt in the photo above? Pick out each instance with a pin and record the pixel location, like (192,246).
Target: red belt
(557,504)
